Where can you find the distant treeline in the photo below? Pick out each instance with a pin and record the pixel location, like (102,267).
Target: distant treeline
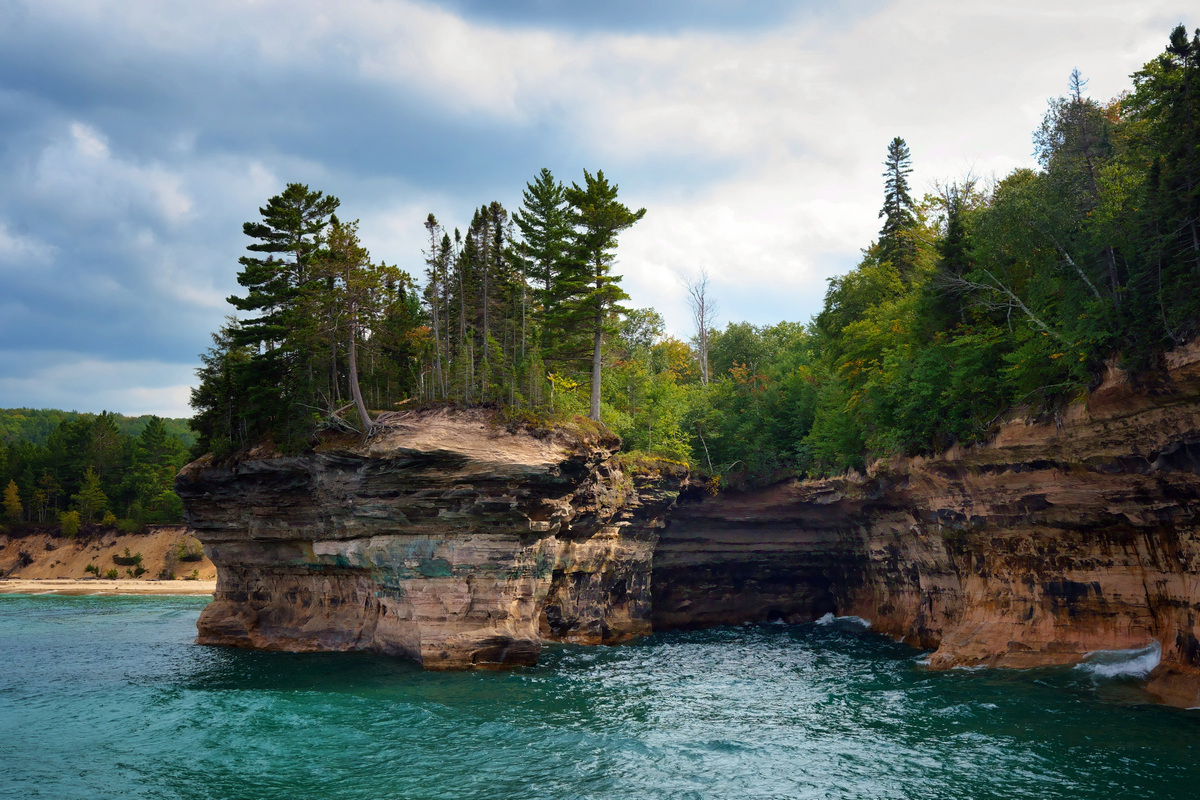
(976,298)
(75,468)
(36,424)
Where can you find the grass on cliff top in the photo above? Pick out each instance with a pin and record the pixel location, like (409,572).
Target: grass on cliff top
(641,463)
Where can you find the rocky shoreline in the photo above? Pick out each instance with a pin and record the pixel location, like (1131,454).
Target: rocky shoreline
(450,539)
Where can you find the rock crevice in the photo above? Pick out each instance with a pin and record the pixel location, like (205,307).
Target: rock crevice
(452,540)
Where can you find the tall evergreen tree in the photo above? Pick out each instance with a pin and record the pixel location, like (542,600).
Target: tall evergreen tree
(594,294)
(280,373)
(895,239)
(545,232)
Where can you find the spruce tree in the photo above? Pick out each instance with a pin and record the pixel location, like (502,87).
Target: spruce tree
(895,242)
(545,233)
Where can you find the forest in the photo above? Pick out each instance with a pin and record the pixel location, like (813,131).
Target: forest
(977,298)
(68,470)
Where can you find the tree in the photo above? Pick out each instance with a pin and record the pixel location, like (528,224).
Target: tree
(704,310)
(437,260)
(12,501)
(895,237)
(219,397)
(68,522)
(641,329)
(355,286)
(545,230)
(597,218)
(90,499)
(279,375)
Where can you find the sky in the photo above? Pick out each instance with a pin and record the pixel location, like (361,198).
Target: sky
(136,136)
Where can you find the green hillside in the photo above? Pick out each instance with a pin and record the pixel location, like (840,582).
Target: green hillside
(36,424)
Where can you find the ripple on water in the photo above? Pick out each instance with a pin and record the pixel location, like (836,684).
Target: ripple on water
(111,699)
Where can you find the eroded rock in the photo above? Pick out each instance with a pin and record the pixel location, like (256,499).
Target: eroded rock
(445,538)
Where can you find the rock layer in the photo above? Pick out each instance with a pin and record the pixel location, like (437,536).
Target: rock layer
(451,540)
(1059,538)
(444,538)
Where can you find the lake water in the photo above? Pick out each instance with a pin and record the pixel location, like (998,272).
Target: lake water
(109,698)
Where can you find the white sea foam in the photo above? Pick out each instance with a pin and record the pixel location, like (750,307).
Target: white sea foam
(1135,663)
(848,621)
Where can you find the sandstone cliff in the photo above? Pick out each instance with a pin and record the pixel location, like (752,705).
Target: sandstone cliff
(1057,539)
(451,540)
(444,537)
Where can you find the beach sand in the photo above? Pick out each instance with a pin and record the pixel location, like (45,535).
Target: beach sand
(97,586)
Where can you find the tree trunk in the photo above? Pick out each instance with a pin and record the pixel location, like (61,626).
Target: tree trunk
(596,339)
(354,388)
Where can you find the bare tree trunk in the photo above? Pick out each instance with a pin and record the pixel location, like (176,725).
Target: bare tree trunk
(703,309)
(354,388)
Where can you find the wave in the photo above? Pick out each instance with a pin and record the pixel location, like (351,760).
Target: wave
(847,621)
(1135,663)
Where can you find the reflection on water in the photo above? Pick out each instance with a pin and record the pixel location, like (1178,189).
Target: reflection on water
(108,697)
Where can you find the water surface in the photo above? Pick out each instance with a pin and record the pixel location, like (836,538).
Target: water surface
(109,698)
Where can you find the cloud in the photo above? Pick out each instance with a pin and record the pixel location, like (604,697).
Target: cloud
(139,136)
(48,379)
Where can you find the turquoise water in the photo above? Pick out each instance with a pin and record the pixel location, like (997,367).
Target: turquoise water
(108,698)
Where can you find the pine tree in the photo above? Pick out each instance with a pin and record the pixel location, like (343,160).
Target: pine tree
(597,218)
(12,501)
(895,242)
(90,500)
(280,375)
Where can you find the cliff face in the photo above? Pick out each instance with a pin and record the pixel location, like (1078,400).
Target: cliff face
(443,538)
(450,540)
(1055,540)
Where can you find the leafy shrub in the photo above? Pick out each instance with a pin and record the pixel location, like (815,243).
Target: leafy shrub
(112,575)
(130,526)
(93,569)
(128,560)
(189,550)
(68,523)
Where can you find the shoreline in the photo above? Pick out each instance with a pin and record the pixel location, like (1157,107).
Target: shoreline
(97,586)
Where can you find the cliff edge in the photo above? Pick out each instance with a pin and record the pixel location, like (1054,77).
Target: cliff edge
(452,539)
(1059,538)
(445,537)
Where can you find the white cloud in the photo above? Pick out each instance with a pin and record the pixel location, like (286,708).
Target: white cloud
(757,153)
(63,380)
(79,174)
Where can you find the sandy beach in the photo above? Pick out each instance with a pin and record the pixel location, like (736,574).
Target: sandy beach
(96,586)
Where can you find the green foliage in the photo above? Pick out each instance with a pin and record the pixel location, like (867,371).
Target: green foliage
(112,574)
(502,320)
(12,501)
(120,470)
(68,523)
(128,560)
(36,425)
(972,303)
(90,499)
(92,569)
